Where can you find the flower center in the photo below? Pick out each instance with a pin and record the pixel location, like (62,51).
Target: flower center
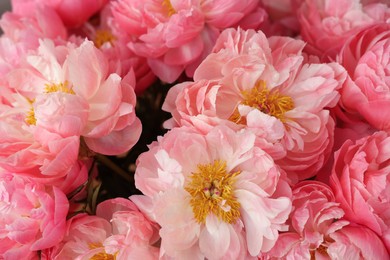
(267,101)
(101,255)
(211,190)
(60,87)
(103,36)
(49,88)
(171,11)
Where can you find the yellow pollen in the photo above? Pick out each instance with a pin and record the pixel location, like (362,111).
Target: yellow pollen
(61,87)
(30,117)
(101,255)
(211,190)
(168,5)
(103,36)
(267,101)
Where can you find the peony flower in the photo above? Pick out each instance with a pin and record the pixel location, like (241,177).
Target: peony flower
(175,36)
(118,231)
(45,157)
(120,57)
(366,96)
(72,13)
(317,232)
(327,24)
(215,195)
(33,217)
(22,34)
(266,86)
(360,180)
(84,234)
(68,91)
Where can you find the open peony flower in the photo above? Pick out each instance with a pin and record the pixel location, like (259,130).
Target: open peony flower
(316,231)
(32,217)
(175,36)
(72,13)
(366,96)
(264,85)
(327,24)
(361,182)
(70,92)
(215,195)
(118,231)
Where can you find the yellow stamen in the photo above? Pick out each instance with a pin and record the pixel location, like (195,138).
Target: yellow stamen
(103,36)
(267,101)
(30,117)
(61,87)
(101,255)
(211,190)
(168,5)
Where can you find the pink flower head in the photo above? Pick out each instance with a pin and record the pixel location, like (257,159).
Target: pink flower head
(366,97)
(360,180)
(72,13)
(327,24)
(118,231)
(33,217)
(45,157)
(175,36)
(215,195)
(68,91)
(121,59)
(316,231)
(22,34)
(264,85)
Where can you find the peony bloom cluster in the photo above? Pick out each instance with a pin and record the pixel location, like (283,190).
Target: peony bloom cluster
(276,144)
(215,195)
(267,86)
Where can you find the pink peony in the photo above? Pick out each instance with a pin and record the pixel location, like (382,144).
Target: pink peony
(45,157)
(33,217)
(68,91)
(84,234)
(316,231)
(366,96)
(175,36)
(22,34)
(266,86)
(72,13)
(215,195)
(360,180)
(121,58)
(327,24)
(119,231)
